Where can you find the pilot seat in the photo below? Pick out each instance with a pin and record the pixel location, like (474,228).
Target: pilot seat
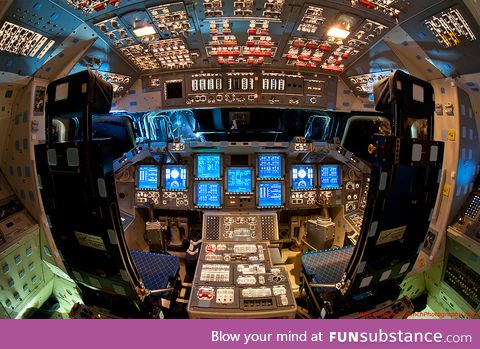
(80,199)
(117,127)
(362,281)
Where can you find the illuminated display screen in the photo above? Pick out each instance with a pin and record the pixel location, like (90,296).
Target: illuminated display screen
(147,177)
(270,166)
(208,194)
(330,177)
(175,177)
(270,194)
(208,166)
(302,177)
(239,180)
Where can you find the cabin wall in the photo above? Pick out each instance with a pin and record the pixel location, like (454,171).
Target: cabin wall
(135,100)
(17,162)
(22,121)
(471,84)
(466,144)
(6,191)
(8,94)
(458,130)
(26,128)
(347,101)
(28,284)
(457,127)
(469,157)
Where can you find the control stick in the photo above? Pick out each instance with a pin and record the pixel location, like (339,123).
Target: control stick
(155,232)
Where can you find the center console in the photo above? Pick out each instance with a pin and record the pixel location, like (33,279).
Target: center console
(235,276)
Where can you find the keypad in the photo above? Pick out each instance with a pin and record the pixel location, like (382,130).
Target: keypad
(268,228)
(473,208)
(212,228)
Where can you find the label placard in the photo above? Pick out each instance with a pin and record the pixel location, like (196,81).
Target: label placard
(390,235)
(61,92)
(91,241)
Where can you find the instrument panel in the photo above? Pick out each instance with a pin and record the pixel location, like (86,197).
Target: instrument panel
(263,180)
(268,88)
(238,279)
(247,197)
(235,274)
(468,221)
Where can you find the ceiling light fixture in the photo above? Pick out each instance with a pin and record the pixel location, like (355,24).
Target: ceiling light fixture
(338,33)
(144,31)
(341,29)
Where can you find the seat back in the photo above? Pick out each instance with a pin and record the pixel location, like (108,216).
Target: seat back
(405,98)
(402,195)
(403,190)
(79,197)
(119,128)
(359,133)
(77,186)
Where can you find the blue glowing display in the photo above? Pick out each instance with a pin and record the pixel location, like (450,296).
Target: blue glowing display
(330,177)
(175,177)
(270,166)
(270,194)
(239,180)
(147,177)
(302,177)
(208,166)
(208,194)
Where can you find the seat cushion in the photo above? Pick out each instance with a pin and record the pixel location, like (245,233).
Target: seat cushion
(326,266)
(156,270)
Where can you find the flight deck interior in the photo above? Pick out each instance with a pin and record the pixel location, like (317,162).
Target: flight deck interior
(273,159)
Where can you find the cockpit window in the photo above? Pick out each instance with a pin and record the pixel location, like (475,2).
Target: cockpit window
(168,125)
(418,128)
(66,128)
(317,127)
(246,124)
